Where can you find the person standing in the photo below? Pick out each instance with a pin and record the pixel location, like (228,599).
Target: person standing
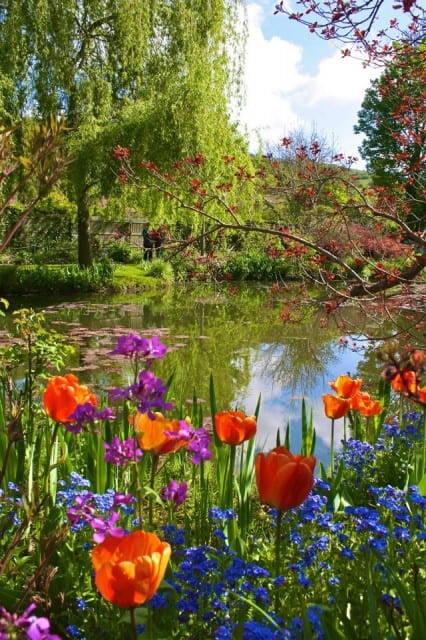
(147,244)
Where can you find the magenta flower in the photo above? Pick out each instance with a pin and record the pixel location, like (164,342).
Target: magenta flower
(199,446)
(97,511)
(198,441)
(86,414)
(148,393)
(35,628)
(106,527)
(135,347)
(174,493)
(121,452)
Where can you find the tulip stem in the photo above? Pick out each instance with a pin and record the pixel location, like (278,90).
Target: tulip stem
(229,501)
(424,443)
(332,448)
(49,457)
(154,467)
(277,551)
(133,623)
(139,496)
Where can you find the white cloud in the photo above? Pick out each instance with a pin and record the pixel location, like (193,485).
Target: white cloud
(281,95)
(272,75)
(340,81)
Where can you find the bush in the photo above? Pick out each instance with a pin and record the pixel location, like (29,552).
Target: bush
(250,265)
(121,251)
(253,266)
(55,279)
(158,269)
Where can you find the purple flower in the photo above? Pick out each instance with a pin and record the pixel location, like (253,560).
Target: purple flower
(121,452)
(185,432)
(85,414)
(198,441)
(97,511)
(106,527)
(135,347)
(175,493)
(199,446)
(148,393)
(35,628)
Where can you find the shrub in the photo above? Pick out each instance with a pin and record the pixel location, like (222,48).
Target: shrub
(55,279)
(158,269)
(121,251)
(253,265)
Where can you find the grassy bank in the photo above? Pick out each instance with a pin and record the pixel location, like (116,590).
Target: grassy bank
(30,279)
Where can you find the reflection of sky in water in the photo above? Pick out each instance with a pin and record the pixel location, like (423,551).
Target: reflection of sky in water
(291,363)
(283,403)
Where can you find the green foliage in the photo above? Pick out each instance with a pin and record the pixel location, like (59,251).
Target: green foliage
(379,120)
(245,264)
(392,121)
(55,279)
(159,269)
(344,571)
(5,304)
(121,251)
(161,79)
(24,358)
(253,265)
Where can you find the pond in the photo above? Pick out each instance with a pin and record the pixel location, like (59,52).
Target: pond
(234,334)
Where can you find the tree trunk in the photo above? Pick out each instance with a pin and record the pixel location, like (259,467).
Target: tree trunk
(405,277)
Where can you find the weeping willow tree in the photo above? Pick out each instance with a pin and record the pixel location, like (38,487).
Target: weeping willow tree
(157,74)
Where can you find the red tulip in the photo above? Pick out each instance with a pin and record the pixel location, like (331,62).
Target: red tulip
(335,407)
(233,427)
(62,396)
(128,570)
(284,480)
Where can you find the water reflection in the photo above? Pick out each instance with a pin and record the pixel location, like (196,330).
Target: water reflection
(282,403)
(234,334)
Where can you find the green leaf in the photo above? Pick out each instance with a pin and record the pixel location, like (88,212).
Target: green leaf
(422,485)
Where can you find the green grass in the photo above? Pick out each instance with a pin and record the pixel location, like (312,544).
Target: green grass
(131,276)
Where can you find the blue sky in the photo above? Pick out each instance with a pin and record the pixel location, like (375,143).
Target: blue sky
(295,80)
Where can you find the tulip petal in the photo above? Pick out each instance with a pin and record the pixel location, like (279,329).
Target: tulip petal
(129,570)
(283,479)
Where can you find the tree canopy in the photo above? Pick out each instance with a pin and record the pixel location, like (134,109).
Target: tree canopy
(393,119)
(95,61)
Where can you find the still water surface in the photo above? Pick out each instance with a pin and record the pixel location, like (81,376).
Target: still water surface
(234,334)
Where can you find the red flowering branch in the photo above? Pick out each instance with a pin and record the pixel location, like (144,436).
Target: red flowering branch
(323,198)
(361,25)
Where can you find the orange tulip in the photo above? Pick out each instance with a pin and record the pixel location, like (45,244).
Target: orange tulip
(421,394)
(151,434)
(405,381)
(284,480)
(335,407)
(233,427)
(128,570)
(365,405)
(62,396)
(345,386)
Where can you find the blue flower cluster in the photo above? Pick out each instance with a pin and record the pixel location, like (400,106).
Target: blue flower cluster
(322,550)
